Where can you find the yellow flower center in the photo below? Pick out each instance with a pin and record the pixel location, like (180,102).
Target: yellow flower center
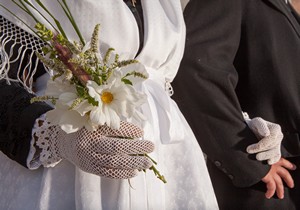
(107,97)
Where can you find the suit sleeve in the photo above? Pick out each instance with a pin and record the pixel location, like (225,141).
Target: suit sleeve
(205,88)
(17,114)
(17,119)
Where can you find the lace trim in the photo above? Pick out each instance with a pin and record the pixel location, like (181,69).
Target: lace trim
(40,151)
(14,39)
(33,161)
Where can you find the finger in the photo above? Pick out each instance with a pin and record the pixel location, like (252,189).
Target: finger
(126,130)
(264,144)
(107,145)
(279,187)
(266,155)
(286,176)
(271,188)
(122,161)
(287,164)
(257,147)
(259,126)
(112,173)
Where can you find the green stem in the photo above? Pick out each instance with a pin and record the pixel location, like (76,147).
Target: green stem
(158,175)
(68,13)
(155,171)
(31,14)
(25,9)
(61,30)
(151,159)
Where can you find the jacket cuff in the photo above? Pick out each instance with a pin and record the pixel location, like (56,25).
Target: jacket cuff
(24,130)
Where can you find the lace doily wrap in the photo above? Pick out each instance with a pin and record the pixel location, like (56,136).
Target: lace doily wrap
(18,47)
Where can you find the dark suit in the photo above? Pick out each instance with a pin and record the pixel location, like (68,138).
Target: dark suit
(241,55)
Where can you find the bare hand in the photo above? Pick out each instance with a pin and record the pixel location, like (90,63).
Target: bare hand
(277,174)
(296,5)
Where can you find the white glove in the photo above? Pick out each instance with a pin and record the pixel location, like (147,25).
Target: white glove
(270,136)
(104,152)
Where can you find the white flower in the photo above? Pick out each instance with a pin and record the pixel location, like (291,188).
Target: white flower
(70,120)
(115,100)
(59,86)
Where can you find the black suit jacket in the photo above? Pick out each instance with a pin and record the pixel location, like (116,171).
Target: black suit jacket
(240,55)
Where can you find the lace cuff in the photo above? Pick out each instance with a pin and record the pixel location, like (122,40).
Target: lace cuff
(33,161)
(40,147)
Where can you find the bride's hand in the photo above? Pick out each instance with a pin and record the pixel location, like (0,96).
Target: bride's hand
(270,137)
(104,152)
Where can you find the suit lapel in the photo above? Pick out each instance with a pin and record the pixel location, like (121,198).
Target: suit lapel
(280,5)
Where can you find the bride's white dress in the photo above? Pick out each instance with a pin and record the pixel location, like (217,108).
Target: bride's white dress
(181,161)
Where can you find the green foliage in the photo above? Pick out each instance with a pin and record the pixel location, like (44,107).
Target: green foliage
(126,81)
(43,32)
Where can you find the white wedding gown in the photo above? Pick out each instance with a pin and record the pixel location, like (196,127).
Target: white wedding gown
(179,157)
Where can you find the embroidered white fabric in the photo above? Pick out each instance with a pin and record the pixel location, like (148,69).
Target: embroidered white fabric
(33,159)
(270,137)
(42,137)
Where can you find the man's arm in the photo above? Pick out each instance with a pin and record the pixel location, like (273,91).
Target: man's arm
(205,88)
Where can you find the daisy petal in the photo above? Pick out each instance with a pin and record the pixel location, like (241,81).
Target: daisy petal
(83,108)
(97,116)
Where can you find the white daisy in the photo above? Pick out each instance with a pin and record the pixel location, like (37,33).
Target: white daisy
(115,100)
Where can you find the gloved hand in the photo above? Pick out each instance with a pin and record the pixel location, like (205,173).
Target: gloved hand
(270,136)
(104,152)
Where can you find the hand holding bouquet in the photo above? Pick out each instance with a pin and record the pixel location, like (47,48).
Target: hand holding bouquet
(89,89)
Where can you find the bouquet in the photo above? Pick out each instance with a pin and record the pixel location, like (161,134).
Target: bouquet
(89,88)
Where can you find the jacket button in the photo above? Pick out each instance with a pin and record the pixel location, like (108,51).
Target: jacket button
(217,163)
(224,170)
